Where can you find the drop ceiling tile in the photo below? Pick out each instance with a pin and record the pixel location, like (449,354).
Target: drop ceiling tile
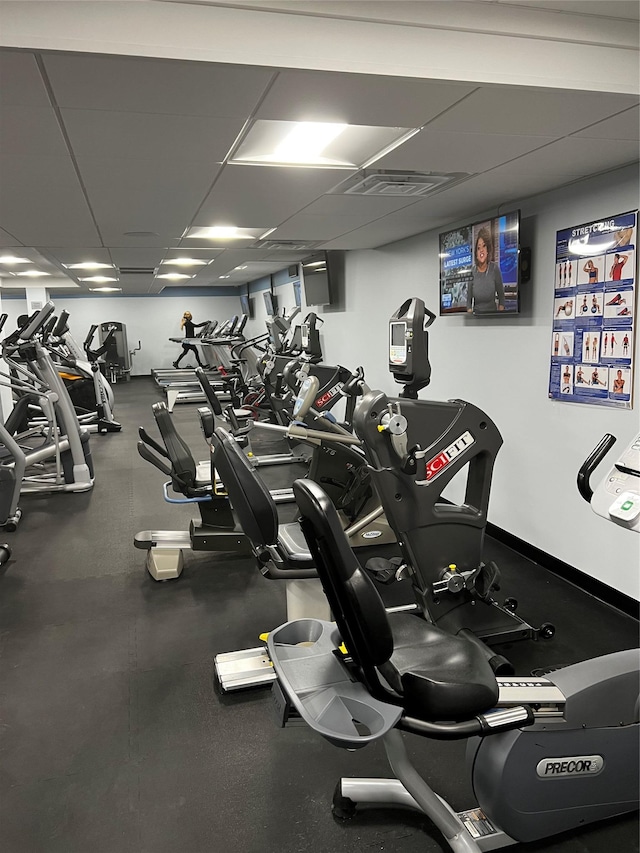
(440,151)
(149,136)
(252,196)
(386,230)
(139,84)
(530,112)
(576,155)
(358,98)
(42,204)
(76,255)
(625,125)
(143,196)
(30,131)
(7,239)
(306,226)
(359,208)
(149,256)
(21,83)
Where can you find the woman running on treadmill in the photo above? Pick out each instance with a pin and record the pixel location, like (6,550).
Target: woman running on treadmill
(189,327)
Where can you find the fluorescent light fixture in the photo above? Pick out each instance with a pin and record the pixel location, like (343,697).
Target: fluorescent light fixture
(186,262)
(306,141)
(97,278)
(105,289)
(224,276)
(241,267)
(224,232)
(174,276)
(316,144)
(315,264)
(89,265)
(12,259)
(33,273)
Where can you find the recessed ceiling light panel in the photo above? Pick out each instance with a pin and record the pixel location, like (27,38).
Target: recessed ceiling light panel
(174,276)
(98,278)
(186,262)
(224,233)
(12,259)
(318,145)
(89,265)
(33,273)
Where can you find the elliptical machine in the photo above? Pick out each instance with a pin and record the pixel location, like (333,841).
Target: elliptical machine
(103,393)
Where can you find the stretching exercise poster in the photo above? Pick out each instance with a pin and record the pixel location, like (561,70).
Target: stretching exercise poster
(592,343)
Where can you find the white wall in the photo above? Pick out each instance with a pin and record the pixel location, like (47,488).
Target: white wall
(502,365)
(152,320)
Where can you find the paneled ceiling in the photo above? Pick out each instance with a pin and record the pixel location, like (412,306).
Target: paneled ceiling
(112,159)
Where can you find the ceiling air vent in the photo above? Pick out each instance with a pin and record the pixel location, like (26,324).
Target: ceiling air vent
(287,245)
(393,184)
(137,270)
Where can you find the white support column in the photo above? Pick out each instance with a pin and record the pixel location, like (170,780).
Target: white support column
(37,297)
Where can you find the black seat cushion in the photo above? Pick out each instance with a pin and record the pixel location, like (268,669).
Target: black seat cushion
(434,675)
(440,676)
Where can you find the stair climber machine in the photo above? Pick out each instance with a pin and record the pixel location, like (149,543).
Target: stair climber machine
(88,388)
(415,448)
(545,755)
(104,419)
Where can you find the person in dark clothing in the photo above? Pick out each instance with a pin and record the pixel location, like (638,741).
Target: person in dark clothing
(189,332)
(486,293)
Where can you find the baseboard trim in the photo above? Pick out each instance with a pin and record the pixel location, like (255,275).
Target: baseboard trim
(594,587)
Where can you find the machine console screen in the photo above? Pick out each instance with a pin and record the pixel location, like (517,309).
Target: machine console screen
(397,343)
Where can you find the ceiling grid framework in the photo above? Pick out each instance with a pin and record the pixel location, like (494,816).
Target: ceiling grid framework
(112,158)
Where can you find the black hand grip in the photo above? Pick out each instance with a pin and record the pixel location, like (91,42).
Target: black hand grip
(144,435)
(61,326)
(591,463)
(144,451)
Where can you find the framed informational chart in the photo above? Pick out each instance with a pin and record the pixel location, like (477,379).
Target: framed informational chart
(593,337)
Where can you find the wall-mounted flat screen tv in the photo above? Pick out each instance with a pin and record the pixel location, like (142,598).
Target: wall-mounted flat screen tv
(322,276)
(479,267)
(270,303)
(246,304)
